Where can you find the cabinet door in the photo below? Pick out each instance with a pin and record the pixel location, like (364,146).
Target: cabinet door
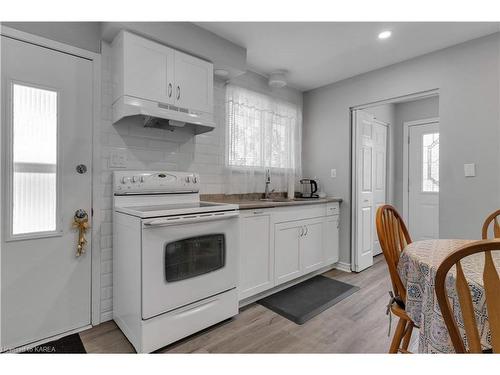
(311,245)
(194,83)
(148,70)
(287,252)
(331,235)
(256,272)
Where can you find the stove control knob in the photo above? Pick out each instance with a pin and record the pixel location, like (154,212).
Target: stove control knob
(143,179)
(188,179)
(135,179)
(195,179)
(125,179)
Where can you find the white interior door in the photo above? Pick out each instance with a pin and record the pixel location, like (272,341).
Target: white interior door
(423,181)
(370,185)
(363,248)
(46,133)
(379,175)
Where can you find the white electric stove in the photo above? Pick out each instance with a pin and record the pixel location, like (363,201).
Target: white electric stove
(174,258)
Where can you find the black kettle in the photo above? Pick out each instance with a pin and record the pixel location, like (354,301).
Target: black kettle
(309,188)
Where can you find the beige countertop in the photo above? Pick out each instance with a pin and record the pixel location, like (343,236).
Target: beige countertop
(246,202)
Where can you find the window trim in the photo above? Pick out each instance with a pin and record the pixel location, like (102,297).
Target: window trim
(9,149)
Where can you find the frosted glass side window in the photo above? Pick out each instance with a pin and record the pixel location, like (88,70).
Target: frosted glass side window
(34,157)
(430,163)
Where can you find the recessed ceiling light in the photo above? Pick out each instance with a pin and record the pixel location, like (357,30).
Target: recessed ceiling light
(385,34)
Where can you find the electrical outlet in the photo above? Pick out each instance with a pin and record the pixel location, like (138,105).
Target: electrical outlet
(470,170)
(118,159)
(333,173)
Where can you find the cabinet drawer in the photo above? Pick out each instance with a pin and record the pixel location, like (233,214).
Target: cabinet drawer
(332,208)
(285,214)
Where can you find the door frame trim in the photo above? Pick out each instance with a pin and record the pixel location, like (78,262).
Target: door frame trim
(406,159)
(96,195)
(352,151)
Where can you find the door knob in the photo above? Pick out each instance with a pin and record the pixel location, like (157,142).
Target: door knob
(81,222)
(81,168)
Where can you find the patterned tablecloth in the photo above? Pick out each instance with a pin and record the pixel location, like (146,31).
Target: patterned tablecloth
(417,267)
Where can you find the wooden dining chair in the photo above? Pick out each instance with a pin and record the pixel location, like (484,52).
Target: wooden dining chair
(394,237)
(492,294)
(493,218)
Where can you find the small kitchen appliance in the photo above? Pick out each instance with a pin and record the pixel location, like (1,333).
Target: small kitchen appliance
(309,188)
(174,258)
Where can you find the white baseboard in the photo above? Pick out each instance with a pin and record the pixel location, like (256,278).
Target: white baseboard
(105,316)
(341,266)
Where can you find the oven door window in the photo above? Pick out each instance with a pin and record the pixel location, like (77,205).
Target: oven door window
(194,256)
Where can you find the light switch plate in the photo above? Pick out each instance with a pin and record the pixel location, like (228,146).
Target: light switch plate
(470,170)
(118,159)
(333,173)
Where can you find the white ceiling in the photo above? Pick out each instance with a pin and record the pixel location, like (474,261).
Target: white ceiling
(319,53)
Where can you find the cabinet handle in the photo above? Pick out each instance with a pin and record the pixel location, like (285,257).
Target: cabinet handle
(169,90)
(178,92)
(258,212)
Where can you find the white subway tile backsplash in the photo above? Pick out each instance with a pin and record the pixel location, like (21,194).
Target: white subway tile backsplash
(155,149)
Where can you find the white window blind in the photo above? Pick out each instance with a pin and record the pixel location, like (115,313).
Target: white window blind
(262,132)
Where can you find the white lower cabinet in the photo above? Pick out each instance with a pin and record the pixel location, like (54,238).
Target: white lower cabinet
(287,251)
(312,245)
(279,245)
(256,255)
(331,238)
(298,248)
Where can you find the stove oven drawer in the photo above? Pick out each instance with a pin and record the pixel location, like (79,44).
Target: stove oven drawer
(187,261)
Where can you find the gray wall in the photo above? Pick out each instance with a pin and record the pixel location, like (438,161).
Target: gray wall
(404,112)
(85,35)
(467,76)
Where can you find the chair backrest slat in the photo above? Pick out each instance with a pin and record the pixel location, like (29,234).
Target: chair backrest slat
(496,228)
(492,218)
(393,237)
(467,308)
(492,293)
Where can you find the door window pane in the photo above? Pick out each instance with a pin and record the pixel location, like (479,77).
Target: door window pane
(194,256)
(430,163)
(34,183)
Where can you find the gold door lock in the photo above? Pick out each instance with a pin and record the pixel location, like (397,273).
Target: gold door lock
(81,221)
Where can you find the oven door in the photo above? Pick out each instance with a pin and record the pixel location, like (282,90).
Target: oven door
(187,258)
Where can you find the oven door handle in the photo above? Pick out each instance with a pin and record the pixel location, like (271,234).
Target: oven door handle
(190,219)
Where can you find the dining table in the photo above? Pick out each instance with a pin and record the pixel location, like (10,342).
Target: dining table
(417,268)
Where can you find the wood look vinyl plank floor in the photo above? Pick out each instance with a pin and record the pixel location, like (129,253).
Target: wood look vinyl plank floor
(357,324)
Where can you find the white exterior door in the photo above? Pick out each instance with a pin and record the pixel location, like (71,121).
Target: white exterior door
(363,248)
(379,175)
(423,181)
(46,133)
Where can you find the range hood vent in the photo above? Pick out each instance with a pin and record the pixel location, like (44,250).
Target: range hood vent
(160,115)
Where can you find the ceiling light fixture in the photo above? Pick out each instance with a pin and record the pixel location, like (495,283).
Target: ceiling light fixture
(385,34)
(221,72)
(277,79)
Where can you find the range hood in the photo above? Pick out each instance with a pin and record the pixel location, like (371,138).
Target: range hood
(160,115)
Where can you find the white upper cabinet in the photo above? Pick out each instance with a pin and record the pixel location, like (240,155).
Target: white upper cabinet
(148,70)
(194,83)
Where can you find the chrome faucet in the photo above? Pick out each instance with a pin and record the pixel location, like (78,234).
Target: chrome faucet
(268,182)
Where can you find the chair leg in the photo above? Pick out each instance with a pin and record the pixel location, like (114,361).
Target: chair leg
(398,336)
(407,336)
